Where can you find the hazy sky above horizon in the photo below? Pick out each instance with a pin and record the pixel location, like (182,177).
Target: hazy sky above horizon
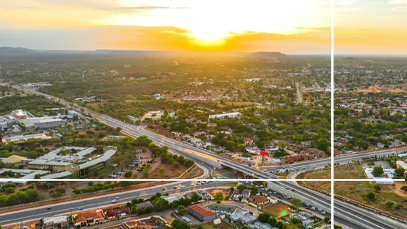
(291,26)
(370,27)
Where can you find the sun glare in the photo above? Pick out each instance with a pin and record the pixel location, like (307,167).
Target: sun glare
(208,36)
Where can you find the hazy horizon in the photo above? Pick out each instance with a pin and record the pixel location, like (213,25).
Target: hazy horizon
(294,26)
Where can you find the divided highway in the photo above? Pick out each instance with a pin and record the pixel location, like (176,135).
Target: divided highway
(345,214)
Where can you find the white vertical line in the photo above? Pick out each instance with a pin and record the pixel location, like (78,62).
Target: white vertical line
(332,115)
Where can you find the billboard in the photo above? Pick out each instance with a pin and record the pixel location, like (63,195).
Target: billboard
(262,152)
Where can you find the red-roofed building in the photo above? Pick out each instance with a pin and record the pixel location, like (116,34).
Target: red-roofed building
(118,212)
(248,142)
(316,153)
(94,216)
(201,212)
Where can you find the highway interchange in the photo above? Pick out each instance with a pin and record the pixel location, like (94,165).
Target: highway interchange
(345,214)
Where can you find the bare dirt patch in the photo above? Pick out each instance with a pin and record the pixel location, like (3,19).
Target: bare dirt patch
(277,209)
(169,172)
(396,189)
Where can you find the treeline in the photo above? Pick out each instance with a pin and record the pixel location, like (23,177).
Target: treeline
(160,204)
(23,196)
(29,102)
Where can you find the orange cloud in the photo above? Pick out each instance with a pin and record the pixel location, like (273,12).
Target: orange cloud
(174,38)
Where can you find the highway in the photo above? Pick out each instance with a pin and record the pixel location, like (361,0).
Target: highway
(320,163)
(66,207)
(343,212)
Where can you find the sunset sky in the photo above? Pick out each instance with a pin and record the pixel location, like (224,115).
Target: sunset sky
(370,27)
(290,26)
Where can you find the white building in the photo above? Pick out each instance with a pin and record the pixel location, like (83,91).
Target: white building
(230,115)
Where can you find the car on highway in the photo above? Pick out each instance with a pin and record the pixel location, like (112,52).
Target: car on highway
(49,208)
(114,201)
(279,197)
(174,187)
(81,208)
(306,207)
(312,208)
(323,213)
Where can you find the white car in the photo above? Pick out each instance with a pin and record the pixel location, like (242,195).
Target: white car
(114,201)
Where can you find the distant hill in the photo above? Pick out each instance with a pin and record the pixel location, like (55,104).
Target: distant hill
(8,51)
(349,58)
(24,52)
(267,54)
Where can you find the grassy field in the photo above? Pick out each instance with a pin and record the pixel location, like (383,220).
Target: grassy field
(357,190)
(211,225)
(231,183)
(277,209)
(349,172)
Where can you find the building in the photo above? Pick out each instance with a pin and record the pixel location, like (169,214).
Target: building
(230,115)
(110,214)
(14,160)
(248,142)
(402,164)
(260,199)
(94,216)
(201,212)
(76,164)
(20,114)
(55,222)
(144,205)
(48,123)
(222,209)
(153,115)
(316,153)
(6,124)
(19,138)
(244,217)
(381,180)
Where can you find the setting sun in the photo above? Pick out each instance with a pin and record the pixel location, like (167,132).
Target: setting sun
(173,25)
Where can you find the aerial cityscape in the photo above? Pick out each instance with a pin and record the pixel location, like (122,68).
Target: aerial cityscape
(186,114)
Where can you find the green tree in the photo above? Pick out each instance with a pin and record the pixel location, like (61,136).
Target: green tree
(389,203)
(175,164)
(377,171)
(399,171)
(294,220)
(279,224)
(377,187)
(404,188)
(161,205)
(179,224)
(254,190)
(161,171)
(323,144)
(146,170)
(327,219)
(241,187)
(272,221)
(195,197)
(371,195)
(263,217)
(296,202)
(182,210)
(219,196)
(128,174)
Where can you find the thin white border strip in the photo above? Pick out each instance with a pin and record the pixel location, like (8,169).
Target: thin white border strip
(186,180)
(332,116)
